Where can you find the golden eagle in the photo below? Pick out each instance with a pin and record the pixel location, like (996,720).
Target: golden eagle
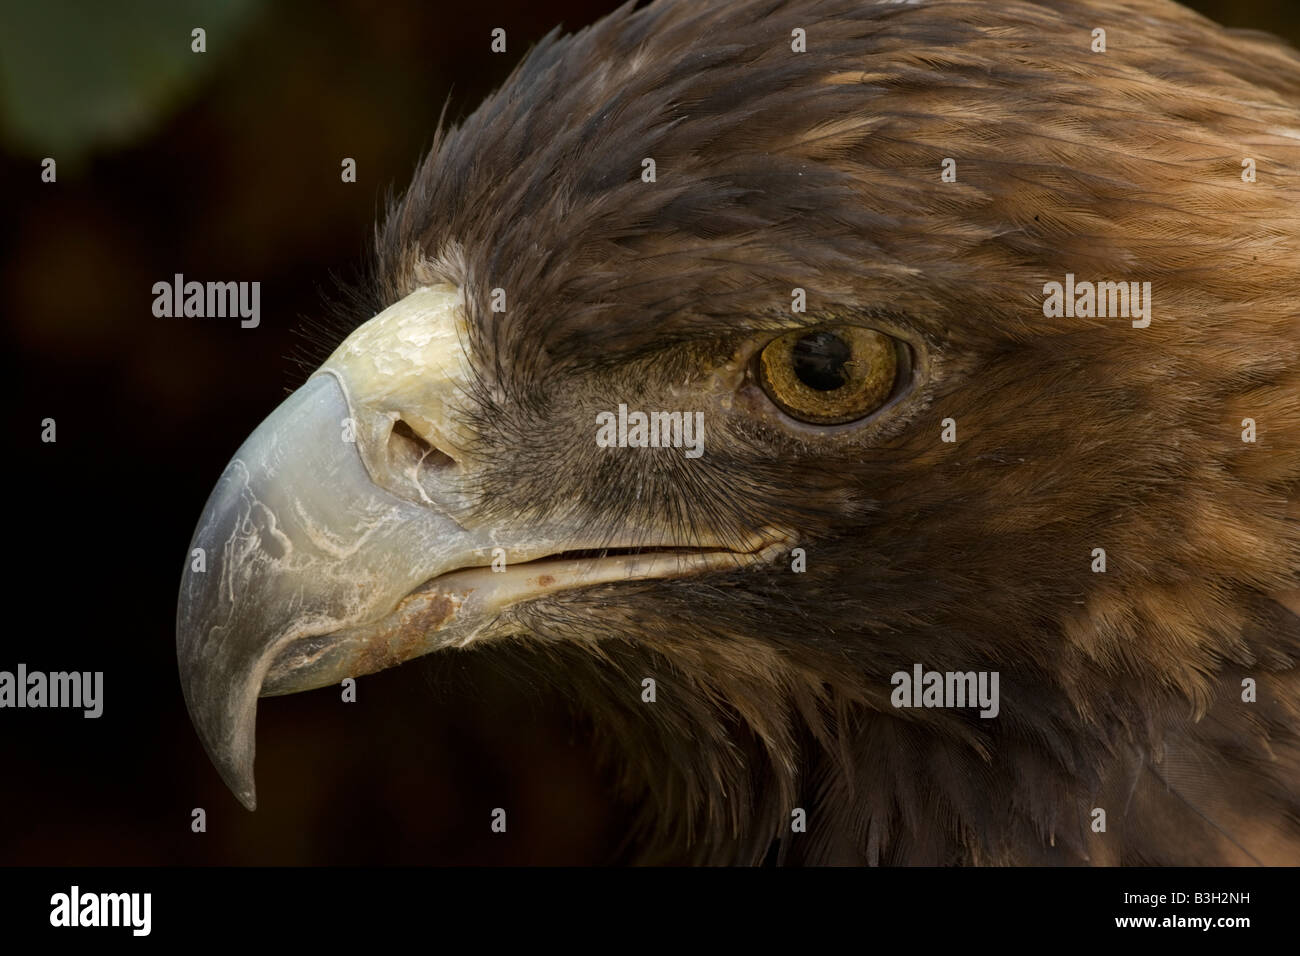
(883,417)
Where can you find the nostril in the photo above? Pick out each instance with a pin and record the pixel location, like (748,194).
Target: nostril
(408,451)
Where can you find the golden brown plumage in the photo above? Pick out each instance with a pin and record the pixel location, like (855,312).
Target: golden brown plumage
(1121,690)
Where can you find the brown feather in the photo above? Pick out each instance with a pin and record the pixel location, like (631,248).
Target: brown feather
(820,170)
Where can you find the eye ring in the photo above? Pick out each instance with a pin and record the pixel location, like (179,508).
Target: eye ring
(830,374)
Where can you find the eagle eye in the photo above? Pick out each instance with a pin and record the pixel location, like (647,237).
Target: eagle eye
(829,375)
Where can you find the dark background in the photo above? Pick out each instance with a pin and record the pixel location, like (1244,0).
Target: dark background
(226,166)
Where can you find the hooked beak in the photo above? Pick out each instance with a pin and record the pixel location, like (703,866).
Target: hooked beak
(297,544)
(339,541)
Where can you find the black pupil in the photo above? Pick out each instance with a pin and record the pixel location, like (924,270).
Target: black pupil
(818,361)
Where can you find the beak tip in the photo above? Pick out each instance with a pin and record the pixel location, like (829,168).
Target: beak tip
(238,779)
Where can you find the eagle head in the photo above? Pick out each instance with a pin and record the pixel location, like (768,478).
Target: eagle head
(882,419)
